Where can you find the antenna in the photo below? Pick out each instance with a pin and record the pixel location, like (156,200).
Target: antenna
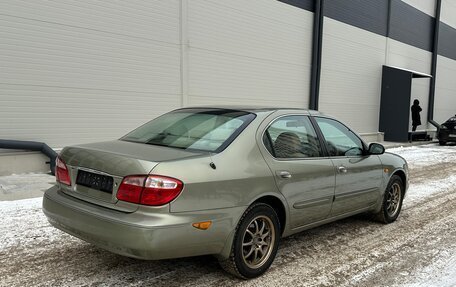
(212,164)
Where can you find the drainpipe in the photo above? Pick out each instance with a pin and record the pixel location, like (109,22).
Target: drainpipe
(316,55)
(33,146)
(435,50)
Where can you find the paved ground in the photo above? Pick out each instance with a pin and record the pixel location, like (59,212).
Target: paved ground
(417,250)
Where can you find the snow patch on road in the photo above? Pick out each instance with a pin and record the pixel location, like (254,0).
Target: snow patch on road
(419,156)
(440,273)
(17,205)
(421,191)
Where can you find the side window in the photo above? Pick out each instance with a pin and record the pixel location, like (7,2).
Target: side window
(292,137)
(340,140)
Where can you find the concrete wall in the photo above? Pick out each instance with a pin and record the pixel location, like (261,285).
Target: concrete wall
(16,162)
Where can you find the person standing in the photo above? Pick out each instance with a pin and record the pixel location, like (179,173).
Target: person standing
(416,109)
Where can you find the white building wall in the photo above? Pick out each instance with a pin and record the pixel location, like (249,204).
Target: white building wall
(74,72)
(445,90)
(447,13)
(426,6)
(351,74)
(249,52)
(415,59)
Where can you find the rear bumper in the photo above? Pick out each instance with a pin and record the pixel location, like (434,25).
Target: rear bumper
(142,234)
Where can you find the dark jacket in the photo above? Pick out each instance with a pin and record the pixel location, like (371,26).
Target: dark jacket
(416,109)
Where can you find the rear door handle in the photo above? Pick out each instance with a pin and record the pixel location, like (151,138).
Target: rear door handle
(284,174)
(342,169)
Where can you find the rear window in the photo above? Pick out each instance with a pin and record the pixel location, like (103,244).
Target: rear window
(194,129)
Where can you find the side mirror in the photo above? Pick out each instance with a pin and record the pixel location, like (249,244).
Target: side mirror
(376,149)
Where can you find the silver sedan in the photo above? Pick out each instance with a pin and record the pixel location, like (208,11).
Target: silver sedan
(226,181)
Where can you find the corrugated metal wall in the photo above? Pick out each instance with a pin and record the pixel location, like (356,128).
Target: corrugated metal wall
(445,92)
(415,59)
(249,52)
(73,72)
(351,75)
(356,45)
(425,6)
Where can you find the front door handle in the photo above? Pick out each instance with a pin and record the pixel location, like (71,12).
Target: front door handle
(284,174)
(342,169)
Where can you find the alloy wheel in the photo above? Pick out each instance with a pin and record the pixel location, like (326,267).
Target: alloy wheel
(258,241)
(393,199)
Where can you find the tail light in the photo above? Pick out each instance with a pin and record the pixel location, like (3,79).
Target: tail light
(62,174)
(149,190)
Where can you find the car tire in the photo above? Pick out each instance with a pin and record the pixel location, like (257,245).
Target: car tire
(392,201)
(255,242)
(442,142)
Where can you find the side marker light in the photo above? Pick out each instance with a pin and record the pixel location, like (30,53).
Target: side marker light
(202,225)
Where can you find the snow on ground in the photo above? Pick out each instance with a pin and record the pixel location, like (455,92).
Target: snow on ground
(421,191)
(440,273)
(21,214)
(19,186)
(34,253)
(418,157)
(422,155)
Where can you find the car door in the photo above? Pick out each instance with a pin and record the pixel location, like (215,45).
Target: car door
(303,175)
(358,175)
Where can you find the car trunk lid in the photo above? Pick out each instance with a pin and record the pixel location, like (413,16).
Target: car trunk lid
(96,170)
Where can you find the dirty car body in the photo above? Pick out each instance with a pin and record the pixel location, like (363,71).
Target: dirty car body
(226,181)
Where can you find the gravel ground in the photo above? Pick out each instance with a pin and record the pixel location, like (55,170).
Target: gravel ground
(419,249)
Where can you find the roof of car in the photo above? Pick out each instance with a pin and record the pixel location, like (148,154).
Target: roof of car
(252,109)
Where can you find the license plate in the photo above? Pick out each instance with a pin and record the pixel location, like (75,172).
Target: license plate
(95,181)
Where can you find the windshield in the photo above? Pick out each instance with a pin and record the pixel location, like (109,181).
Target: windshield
(195,129)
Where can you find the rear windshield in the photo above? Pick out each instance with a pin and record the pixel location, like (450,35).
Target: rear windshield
(193,129)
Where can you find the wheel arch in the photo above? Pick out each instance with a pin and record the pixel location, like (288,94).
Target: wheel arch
(403,177)
(278,207)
